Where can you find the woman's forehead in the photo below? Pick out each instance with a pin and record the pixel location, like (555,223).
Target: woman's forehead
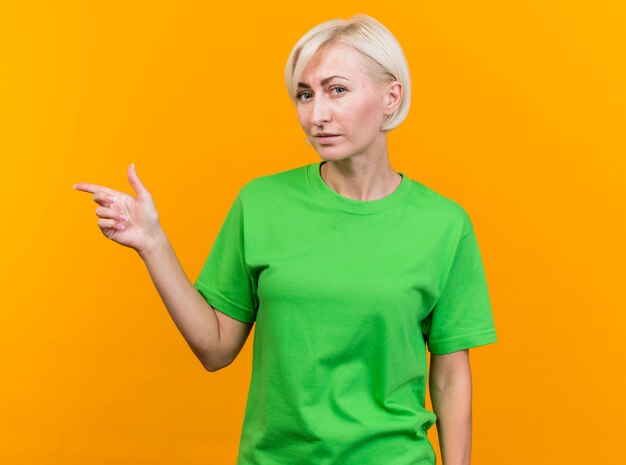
(337,60)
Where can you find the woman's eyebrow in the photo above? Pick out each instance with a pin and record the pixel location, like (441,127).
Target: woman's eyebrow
(323,81)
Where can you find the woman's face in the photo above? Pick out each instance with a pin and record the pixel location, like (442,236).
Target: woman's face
(340,107)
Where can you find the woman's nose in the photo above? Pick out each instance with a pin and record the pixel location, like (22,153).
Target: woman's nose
(321,112)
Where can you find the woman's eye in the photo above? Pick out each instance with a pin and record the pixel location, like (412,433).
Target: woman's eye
(339,88)
(300,95)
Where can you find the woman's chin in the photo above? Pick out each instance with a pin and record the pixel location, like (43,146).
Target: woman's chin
(331,153)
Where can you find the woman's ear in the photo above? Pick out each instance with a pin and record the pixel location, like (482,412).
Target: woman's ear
(392,97)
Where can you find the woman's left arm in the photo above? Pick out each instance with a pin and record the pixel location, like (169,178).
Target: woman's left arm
(450,387)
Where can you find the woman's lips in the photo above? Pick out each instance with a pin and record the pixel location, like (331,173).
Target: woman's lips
(327,138)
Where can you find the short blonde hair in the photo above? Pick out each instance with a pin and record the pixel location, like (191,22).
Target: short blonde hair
(386,61)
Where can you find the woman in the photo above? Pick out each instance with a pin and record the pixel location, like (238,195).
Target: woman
(349,269)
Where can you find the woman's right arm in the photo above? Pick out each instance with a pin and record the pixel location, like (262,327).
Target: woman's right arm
(214,337)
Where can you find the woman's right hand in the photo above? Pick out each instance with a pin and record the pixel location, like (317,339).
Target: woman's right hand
(132,222)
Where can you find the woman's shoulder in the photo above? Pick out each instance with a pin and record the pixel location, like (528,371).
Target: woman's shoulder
(268,186)
(434,204)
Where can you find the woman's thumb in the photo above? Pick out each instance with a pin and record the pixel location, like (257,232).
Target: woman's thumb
(135,182)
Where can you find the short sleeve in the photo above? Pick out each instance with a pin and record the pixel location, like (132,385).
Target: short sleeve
(462,316)
(224,280)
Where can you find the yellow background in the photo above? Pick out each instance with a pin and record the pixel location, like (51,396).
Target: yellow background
(518,114)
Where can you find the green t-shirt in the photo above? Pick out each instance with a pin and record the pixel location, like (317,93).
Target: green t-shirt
(345,294)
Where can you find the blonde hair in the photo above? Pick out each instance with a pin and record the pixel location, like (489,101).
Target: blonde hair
(385,59)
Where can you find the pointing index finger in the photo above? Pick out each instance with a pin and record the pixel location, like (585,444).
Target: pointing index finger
(93,188)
